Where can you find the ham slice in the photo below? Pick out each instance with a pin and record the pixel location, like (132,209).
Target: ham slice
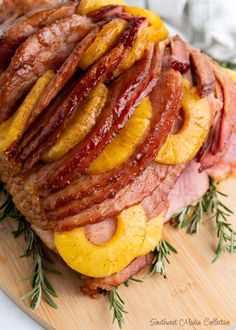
(62,77)
(190,186)
(54,124)
(45,50)
(129,195)
(227,165)
(13,36)
(203,73)
(86,185)
(92,285)
(180,57)
(215,146)
(105,12)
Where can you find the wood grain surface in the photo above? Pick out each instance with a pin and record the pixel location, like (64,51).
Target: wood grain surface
(196,295)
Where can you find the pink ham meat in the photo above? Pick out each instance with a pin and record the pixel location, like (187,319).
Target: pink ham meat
(44,50)
(179,58)
(203,73)
(191,186)
(227,165)
(23,27)
(215,145)
(92,285)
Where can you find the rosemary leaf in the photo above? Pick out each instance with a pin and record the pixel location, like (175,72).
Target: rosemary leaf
(162,252)
(117,304)
(210,206)
(41,286)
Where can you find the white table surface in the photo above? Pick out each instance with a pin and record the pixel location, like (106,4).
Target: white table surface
(11,316)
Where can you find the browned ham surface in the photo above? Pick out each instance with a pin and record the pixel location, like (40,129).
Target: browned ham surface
(63,75)
(227,164)
(179,58)
(203,73)
(53,125)
(44,50)
(23,27)
(105,12)
(130,194)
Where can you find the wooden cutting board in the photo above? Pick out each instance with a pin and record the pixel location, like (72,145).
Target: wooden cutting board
(197,294)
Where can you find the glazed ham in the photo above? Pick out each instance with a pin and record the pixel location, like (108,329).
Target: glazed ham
(26,25)
(45,50)
(179,58)
(62,195)
(99,72)
(203,73)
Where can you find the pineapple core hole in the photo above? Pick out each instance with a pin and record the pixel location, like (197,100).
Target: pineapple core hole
(178,123)
(101,232)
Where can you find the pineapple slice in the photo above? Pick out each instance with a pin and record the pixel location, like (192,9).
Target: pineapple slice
(153,18)
(153,234)
(86,6)
(110,257)
(148,34)
(79,125)
(105,40)
(13,128)
(124,144)
(183,146)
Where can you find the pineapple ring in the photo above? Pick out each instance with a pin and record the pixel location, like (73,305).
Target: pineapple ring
(124,144)
(110,257)
(183,146)
(153,235)
(148,34)
(12,129)
(80,124)
(153,18)
(86,6)
(105,40)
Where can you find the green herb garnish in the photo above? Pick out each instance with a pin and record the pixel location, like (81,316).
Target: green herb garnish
(117,304)
(211,207)
(162,252)
(41,286)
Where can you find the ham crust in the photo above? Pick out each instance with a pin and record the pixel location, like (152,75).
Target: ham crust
(13,36)
(54,124)
(203,73)
(62,77)
(180,57)
(42,51)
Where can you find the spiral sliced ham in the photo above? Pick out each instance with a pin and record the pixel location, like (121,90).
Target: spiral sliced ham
(44,50)
(26,25)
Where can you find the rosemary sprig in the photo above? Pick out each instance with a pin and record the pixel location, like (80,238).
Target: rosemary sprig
(162,252)
(117,304)
(226,235)
(41,286)
(211,206)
